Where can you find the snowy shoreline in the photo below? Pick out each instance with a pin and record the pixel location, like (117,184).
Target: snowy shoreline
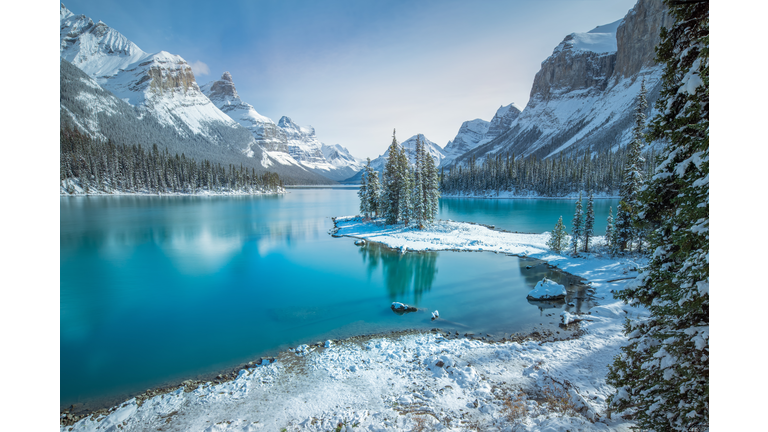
(402,380)
(169,194)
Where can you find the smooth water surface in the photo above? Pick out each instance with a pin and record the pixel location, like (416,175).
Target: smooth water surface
(524,215)
(155,290)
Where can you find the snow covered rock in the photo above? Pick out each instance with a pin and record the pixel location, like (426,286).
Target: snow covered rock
(401,308)
(360,242)
(435,315)
(547,290)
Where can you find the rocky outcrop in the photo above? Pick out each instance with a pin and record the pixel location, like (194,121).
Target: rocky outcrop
(582,61)
(638,36)
(583,97)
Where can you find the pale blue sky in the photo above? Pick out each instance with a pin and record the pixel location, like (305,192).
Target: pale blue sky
(357,69)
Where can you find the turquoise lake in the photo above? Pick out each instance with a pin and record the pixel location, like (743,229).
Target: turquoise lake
(156,290)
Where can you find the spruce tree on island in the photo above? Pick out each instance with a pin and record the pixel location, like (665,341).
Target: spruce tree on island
(362,193)
(662,376)
(392,184)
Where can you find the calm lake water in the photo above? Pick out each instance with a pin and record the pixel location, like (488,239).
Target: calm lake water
(155,290)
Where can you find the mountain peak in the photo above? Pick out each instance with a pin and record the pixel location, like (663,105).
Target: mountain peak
(226,76)
(64,13)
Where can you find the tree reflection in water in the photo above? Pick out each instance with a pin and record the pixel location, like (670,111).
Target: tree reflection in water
(401,271)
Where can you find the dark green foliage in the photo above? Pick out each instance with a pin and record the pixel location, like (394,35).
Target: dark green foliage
(578,228)
(589,222)
(557,240)
(662,376)
(560,175)
(103,167)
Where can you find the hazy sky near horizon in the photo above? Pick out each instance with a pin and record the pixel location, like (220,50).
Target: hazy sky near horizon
(355,70)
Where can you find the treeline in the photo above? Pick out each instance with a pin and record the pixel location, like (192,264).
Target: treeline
(407,194)
(561,175)
(96,166)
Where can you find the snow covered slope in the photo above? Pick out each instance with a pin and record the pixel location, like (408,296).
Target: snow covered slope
(224,95)
(474,133)
(286,142)
(161,88)
(409,145)
(584,95)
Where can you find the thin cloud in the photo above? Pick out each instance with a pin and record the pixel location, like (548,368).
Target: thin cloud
(200,68)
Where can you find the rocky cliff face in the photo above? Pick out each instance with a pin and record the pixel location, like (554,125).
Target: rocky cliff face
(584,95)
(638,37)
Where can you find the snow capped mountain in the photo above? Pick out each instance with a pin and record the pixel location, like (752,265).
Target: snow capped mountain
(583,96)
(474,133)
(286,141)
(158,93)
(96,49)
(224,95)
(346,164)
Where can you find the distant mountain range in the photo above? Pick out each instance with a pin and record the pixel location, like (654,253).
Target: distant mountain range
(117,91)
(581,100)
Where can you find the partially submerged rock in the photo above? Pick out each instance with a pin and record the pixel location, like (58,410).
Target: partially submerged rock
(359,242)
(401,308)
(547,290)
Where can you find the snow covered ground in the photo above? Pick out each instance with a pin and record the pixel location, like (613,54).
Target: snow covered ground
(415,381)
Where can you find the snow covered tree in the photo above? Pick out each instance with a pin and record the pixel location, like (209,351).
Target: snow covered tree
(626,221)
(392,184)
(405,192)
(362,193)
(431,186)
(577,230)
(662,375)
(373,189)
(557,241)
(589,222)
(609,228)
(419,196)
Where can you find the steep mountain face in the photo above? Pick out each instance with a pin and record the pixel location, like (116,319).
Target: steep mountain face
(409,145)
(583,97)
(477,132)
(159,101)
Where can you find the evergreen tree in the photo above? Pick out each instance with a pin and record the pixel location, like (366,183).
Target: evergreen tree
(662,376)
(391,187)
(431,186)
(589,222)
(419,195)
(609,228)
(626,221)
(362,193)
(373,189)
(405,192)
(557,241)
(577,231)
